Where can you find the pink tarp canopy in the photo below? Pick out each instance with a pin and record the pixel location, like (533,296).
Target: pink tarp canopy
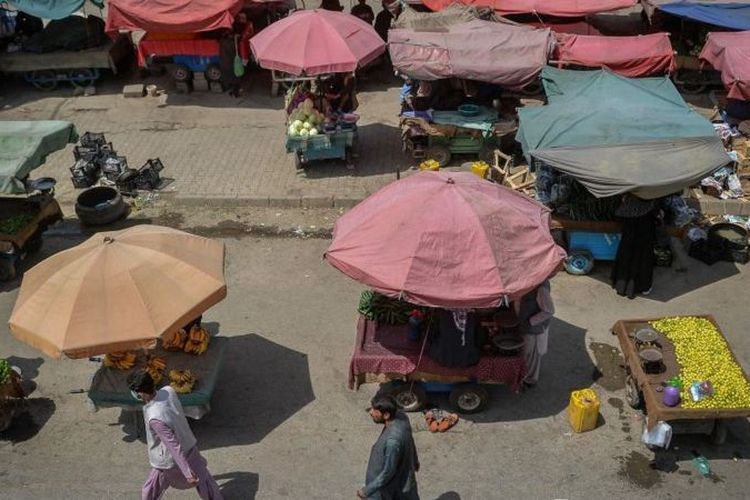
(504,54)
(446,239)
(171,16)
(630,56)
(730,54)
(316,42)
(558,8)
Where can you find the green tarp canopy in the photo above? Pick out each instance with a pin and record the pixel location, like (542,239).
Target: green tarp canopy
(617,135)
(25,145)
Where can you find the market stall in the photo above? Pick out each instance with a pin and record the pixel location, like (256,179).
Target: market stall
(630,56)
(185,35)
(556,8)
(730,54)
(682,371)
(319,51)
(24,146)
(443,243)
(614,135)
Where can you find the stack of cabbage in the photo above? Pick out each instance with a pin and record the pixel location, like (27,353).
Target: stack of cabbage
(304,120)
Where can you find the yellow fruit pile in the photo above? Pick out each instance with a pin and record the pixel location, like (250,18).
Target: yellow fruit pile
(182,381)
(703,354)
(429,165)
(155,367)
(121,360)
(174,341)
(197,341)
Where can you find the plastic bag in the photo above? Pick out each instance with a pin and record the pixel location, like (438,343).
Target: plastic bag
(660,435)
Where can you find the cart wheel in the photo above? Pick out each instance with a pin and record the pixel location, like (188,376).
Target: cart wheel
(7,269)
(439,153)
(579,262)
(719,434)
(213,73)
(181,73)
(409,396)
(82,77)
(43,80)
(299,163)
(469,398)
(632,394)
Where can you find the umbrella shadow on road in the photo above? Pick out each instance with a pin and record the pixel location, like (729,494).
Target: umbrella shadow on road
(670,284)
(566,367)
(238,485)
(28,422)
(261,385)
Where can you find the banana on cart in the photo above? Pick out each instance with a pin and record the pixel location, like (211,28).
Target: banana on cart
(155,367)
(174,341)
(197,341)
(182,381)
(121,360)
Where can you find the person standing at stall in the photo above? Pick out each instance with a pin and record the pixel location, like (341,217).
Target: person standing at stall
(633,271)
(393,458)
(172,450)
(363,11)
(535,311)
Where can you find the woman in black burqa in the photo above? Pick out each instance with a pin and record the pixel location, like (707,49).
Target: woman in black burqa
(633,271)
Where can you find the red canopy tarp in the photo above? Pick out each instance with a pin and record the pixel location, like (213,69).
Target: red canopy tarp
(171,16)
(558,8)
(630,56)
(730,54)
(503,54)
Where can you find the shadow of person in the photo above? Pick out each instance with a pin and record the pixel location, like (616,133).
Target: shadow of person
(238,485)
(261,385)
(449,495)
(34,413)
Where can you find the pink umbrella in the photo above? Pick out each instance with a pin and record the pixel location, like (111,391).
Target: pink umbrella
(315,42)
(446,239)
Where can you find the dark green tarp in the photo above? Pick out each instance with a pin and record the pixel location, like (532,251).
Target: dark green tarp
(618,135)
(24,145)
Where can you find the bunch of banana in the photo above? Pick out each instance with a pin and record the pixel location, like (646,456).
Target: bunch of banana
(182,381)
(155,367)
(197,341)
(378,307)
(121,360)
(429,165)
(174,341)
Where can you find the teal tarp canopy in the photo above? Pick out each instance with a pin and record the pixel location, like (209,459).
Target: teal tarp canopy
(618,135)
(52,9)
(25,145)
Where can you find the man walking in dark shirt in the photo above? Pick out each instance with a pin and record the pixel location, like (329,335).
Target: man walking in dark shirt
(363,11)
(393,458)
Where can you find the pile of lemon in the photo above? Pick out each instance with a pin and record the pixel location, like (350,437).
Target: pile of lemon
(703,354)
(429,165)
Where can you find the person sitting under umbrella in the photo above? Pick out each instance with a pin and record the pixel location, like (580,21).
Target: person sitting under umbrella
(339,94)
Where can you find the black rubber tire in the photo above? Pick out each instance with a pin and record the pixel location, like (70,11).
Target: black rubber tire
(82,77)
(409,397)
(579,262)
(439,153)
(469,398)
(100,205)
(299,163)
(45,79)
(181,73)
(719,434)
(213,73)
(633,395)
(8,269)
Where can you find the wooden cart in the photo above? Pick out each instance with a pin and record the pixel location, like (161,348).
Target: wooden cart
(645,388)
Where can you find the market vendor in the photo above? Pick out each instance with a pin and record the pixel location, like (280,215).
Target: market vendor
(339,94)
(633,271)
(534,311)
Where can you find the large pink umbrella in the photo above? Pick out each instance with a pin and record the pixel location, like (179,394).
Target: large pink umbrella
(316,42)
(446,239)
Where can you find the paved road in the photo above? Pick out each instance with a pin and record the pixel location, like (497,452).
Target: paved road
(284,425)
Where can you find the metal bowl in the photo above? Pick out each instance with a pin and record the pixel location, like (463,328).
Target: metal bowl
(468,110)
(646,335)
(507,343)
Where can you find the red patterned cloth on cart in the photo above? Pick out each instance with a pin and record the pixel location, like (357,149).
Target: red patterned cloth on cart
(386,349)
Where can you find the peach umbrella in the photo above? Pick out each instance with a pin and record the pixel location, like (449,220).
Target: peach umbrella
(118,290)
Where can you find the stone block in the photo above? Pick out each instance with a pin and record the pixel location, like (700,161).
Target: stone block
(317,202)
(216,87)
(183,87)
(134,90)
(200,85)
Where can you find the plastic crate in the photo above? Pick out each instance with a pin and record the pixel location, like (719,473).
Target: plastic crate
(603,246)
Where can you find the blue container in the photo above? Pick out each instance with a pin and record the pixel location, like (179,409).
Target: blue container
(603,246)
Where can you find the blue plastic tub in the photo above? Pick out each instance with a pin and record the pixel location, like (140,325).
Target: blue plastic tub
(603,246)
